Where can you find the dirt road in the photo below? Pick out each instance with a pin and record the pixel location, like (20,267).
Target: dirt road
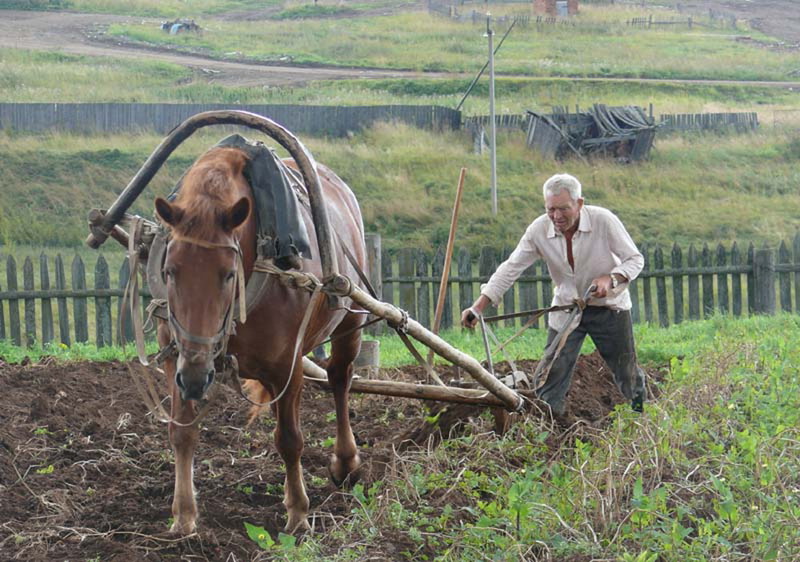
(77,34)
(80,34)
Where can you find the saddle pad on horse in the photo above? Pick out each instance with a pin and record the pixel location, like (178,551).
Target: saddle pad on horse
(282,234)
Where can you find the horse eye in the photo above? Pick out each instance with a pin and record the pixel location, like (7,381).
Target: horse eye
(169,273)
(229,277)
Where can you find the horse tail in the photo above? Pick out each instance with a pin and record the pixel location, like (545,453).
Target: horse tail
(259,394)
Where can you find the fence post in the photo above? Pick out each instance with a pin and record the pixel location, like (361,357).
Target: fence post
(784,278)
(48,332)
(408,297)
(648,286)
(13,304)
(677,284)
(528,299)
(694,284)
(722,280)
(30,303)
(764,280)
(661,287)
(63,314)
(79,304)
(486,262)
(422,263)
(708,284)
(736,281)
(102,280)
(437,269)
(374,269)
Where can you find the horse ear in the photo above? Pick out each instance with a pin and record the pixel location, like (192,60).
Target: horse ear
(237,214)
(168,213)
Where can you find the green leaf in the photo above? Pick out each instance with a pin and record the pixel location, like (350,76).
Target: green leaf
(260,536)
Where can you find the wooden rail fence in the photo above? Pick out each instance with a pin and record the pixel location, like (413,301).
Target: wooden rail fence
(677,284)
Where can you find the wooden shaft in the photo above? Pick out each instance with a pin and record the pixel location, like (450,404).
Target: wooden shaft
(342,286)
(318,376)
(448,256)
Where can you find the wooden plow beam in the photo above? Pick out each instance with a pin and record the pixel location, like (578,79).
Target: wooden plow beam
(317,375)
(342,286)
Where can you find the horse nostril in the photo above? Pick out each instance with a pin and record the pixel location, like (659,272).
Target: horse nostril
(179,380)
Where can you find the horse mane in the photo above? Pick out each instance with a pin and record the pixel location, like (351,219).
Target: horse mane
(208,190)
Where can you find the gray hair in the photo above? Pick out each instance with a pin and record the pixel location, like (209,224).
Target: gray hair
(559,182)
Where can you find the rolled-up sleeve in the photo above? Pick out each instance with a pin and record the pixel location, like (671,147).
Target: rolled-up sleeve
(510,270)
(622,245)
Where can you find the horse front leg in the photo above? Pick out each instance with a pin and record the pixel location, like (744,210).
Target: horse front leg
(289,442)
(345,461)
(184,442)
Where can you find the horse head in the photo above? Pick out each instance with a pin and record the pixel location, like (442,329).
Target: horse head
(202,263)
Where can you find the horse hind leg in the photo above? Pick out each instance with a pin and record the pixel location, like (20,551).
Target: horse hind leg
(345,461)
(289,442)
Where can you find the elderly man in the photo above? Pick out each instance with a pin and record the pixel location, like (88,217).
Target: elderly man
(583,245)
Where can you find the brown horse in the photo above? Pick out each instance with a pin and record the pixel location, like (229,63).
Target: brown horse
(213,233)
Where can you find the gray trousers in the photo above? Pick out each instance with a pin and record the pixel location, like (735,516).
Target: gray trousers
(612,334)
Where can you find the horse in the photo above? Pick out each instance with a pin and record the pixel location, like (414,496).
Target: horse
(212,236)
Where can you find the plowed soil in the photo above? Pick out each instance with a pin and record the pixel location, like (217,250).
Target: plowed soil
(86,472)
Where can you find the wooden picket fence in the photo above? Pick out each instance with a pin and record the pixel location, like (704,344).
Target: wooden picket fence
(676,285)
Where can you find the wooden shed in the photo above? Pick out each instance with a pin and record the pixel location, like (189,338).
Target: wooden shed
(555,8)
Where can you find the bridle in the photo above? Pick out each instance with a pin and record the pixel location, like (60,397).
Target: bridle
(219,341)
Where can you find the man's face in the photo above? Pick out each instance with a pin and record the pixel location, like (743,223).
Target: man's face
(563,211)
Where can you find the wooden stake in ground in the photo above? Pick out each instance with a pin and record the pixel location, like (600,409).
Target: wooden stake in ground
(451,237)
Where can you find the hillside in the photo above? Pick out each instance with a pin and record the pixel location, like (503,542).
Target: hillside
(696,189)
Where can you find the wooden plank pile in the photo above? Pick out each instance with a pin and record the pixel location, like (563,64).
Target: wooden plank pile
(625,133)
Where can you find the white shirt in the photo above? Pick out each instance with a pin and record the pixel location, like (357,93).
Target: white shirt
(600,246)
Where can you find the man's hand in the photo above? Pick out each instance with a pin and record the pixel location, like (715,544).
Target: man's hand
(604,284)
(469,316)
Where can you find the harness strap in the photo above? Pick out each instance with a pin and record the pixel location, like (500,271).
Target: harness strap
(298,345)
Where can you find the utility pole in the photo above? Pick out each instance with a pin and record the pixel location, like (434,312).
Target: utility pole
(489,34)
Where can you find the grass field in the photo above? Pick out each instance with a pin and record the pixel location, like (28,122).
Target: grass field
(694,189)
(30,76)
(594,47)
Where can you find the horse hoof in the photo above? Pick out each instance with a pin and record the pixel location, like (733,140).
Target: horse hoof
(342,476)
(297,527)
(183,529)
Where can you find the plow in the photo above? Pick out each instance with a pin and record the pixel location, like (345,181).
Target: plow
(147,240)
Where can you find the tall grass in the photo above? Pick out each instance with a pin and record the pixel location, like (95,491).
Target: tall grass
(33,76)
(709,472)
(694,189)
